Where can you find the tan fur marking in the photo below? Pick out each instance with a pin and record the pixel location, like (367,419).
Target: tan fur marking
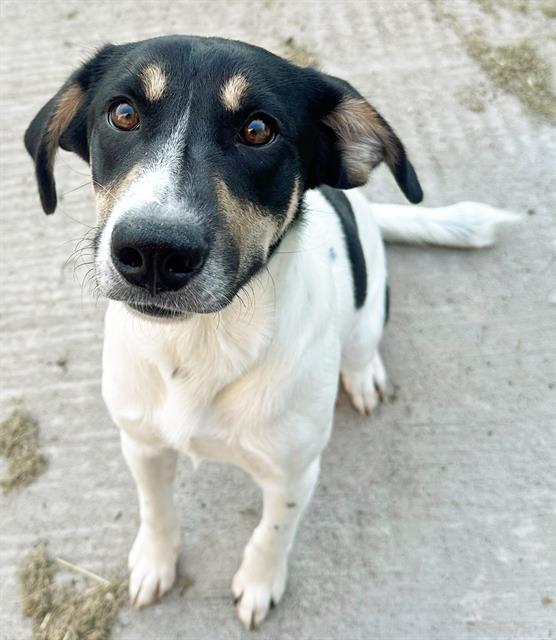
(233,90)
(106,195)
(252,228)
(154,82)
(66,109)
(292,208)
(364,140)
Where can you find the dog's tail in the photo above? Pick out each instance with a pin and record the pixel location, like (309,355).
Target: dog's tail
(464,225)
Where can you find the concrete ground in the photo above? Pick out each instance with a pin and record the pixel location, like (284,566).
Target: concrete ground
(434,518)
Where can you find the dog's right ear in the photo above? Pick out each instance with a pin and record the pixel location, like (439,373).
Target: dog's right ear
(63,122)
(353,139)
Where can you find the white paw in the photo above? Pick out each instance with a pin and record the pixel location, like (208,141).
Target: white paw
(366,388)
(152,563)
(258,585)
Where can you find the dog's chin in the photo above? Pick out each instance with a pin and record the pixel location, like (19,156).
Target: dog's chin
(162,313)
(162,309)
(158,313)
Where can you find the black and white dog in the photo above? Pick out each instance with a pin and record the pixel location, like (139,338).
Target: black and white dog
(242,280)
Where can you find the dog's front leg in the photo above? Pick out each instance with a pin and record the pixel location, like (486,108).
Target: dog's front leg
(261,578)
(153,557)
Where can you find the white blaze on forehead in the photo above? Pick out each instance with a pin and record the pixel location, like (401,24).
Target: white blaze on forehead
(155,181)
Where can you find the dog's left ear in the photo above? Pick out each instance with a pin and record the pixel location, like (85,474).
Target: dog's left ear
(353,139)
(63,122)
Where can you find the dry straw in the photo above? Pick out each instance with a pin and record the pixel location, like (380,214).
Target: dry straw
(19,443)
(61,612)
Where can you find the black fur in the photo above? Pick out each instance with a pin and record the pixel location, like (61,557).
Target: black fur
(344,210)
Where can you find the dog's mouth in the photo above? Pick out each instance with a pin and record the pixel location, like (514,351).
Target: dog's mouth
(153,311)
(165,305)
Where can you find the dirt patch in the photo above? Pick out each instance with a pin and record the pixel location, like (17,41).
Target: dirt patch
(62,362)
(249,512)
(472,99)
(19,443)
(490,6)
(299,54)
(63,612)
(36,574)
(549,9)
(517,69)
(184,584)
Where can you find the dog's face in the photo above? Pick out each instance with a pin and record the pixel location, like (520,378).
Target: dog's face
(200,151)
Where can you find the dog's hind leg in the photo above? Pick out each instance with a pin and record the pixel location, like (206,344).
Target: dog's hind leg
(367,387)
(153,557)
(261,579)
(362,372)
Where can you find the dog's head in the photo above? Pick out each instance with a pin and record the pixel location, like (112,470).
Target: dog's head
(200,151)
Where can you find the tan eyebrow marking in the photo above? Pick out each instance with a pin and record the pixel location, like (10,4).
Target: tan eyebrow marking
(233,90)
(154,80)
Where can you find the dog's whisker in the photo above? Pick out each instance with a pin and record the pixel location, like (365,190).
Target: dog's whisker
(83,224)
(85,184)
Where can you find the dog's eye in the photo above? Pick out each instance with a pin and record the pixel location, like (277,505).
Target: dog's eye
(258,131)
(124,116)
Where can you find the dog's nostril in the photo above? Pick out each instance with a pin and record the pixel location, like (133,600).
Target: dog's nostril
(183,263)
(130,257)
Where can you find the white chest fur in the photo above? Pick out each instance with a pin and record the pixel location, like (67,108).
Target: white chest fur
(252,383)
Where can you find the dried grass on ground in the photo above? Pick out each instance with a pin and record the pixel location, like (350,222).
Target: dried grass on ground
(62,612)
(19,443)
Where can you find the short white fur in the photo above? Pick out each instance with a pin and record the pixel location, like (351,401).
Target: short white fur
(256,386)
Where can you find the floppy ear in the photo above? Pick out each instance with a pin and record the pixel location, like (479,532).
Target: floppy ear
(63,122)
(354,138)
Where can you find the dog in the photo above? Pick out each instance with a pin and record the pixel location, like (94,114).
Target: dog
(245,271)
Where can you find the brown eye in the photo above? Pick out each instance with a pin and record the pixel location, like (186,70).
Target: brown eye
(258,131)
(124,116)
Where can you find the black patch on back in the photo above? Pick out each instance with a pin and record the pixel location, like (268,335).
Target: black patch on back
(386,304)
(343,209)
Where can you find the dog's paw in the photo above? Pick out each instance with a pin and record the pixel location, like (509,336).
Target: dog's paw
(258,585)
(152,566)
(366,388)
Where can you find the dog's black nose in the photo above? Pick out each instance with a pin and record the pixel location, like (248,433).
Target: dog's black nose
(155,254)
